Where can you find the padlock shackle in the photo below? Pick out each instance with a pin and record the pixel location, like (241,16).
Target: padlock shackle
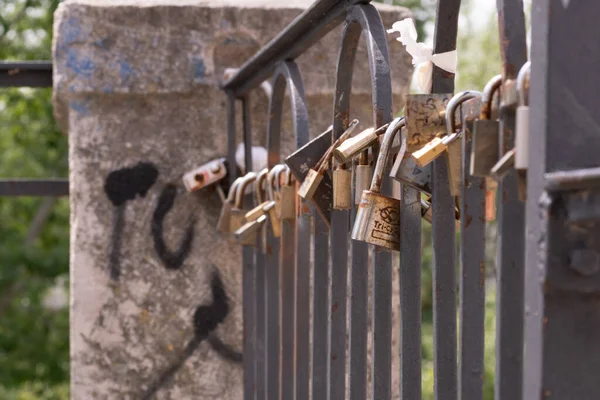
(246,180)
(233,190)
(489,90)
(523,84)
(329,153)
(274,172)
(452,106)
(386,144)
(260,180)
(288,177)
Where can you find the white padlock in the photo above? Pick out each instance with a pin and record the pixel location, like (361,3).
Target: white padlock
(522,123)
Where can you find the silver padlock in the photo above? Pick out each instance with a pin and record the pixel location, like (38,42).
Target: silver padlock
(522,123)
(378,217)
(486,133)
(342,188)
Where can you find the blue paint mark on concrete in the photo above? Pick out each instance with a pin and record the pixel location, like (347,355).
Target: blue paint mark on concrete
(199,68)
(72,32)
(79,106)
(83,65)
(125,70)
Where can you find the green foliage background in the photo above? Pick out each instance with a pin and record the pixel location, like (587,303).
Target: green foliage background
(34,350)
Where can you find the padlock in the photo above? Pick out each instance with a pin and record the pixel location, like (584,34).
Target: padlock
(225,216)
(205,175)
(247,233)
(486,133)
(378,218)
(429,152)
(271,208)
(363,175)
(238,213)
(307,157)
(342,188)
(257,211)
(350,147)
(522,122)
(491,187)
(425,115)
(454,146)
(315,175)
(289,206)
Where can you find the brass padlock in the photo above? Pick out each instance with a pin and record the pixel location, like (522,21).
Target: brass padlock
(486,133)
(289,207)
(425,115)
(247,233)
(429,152)
(257,211)
(378,218)
(350,147)
(454,146)
(225,216)
(271,209)
(406,171)
(342,188)
(238,213)
(363,175)
(315,175)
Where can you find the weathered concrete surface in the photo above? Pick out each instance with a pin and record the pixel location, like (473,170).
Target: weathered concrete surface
(136,89)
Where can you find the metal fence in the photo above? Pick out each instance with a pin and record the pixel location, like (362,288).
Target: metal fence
(279,360)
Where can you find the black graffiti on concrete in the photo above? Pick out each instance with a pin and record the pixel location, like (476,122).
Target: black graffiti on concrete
(121,186)
(206,319)
(171,259)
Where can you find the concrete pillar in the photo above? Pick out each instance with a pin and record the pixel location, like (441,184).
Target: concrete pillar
(155,293)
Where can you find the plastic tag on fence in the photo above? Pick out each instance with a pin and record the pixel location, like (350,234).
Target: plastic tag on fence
(423,57)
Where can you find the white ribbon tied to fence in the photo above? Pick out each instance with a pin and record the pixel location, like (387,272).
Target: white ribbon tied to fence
(423,57)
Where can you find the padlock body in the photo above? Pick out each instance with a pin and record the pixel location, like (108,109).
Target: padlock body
(522,138)
(378,221)
(224,218)
(485,147)
(288,202)
(425,118)
(248,233)
(352,146)
(236,220)
(454,152)
(256,212)
(429,152)
(342,189)
(363,175)
(406,171)
(274,221)
(310,184)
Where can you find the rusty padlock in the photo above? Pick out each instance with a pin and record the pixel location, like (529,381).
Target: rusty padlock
(238,213)
(350,147)
(257,211)
(363,175)
(315,175)
(378,218)
(225,216)
(342,188)
(486,133)
(406,171)
(454,146)
(289,207)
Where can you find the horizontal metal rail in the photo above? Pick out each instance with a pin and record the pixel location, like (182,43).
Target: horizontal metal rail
(26,74)
(307,29)
(34,187)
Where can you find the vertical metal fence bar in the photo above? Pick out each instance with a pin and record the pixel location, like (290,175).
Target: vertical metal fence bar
(260,293)
(563,245)
(444,231)
(231,137)
(472,268)
(303,302)
(511,220)
(320,309)
(287,272)
(410,294)
(272,330)
(248,277)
